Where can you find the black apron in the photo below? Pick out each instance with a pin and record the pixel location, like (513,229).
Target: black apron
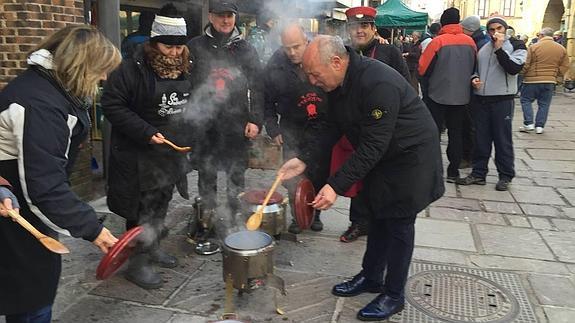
(160,165)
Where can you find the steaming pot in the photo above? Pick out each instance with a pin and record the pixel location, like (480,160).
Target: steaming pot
(274,213)
(248,258)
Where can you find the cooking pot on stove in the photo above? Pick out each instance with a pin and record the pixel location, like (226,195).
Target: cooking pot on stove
(248,259)
(274,213)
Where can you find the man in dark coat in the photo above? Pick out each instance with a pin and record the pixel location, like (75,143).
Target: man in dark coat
(292,106)
(397,155)
(227,73)
(361,27)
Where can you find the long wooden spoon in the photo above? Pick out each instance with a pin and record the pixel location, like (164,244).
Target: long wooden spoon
(176,147)
(255,220)
(50,243)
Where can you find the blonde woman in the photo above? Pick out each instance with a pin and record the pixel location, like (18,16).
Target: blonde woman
(43,120)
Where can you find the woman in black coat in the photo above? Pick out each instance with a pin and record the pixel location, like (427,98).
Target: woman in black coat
(145,101)
(43,120)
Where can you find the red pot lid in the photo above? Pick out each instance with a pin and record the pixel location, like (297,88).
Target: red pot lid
(257,197)
(119,253)
(304,194)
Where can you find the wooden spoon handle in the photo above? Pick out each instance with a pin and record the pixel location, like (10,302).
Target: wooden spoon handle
(24,223)
(272,190)
(176,147)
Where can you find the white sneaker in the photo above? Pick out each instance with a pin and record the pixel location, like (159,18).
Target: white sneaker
(527,128)
(539,130)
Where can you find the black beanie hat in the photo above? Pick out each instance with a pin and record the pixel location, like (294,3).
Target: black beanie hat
(449,17)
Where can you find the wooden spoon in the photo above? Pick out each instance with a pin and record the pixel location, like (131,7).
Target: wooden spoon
(176,147)
(255,220)
(50,243)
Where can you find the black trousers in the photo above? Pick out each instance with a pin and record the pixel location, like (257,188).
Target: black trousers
(359,211)
(468,135)
(152,212)
(493,127)
(389,249)
(235,183)
(453,116)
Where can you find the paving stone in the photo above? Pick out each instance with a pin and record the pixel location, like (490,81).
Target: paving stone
(569,211)
(542,144)
(502,207)
(518,264)
(551,165)
(450,190)
(552,290)
(187,318)
(514,242)
(554,182)
(458,203)
(564,224)
(443,213)
(540,223)
(569,194)
(444,234)
(571,267)
(562,244)
(518,221)
(540,210)
(484,193)
(536,195)
(552,154)
(547,174)
(108,310)
(560,315)
(440,255)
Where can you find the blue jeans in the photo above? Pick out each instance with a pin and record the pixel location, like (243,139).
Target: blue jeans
(542,92)
(42,315)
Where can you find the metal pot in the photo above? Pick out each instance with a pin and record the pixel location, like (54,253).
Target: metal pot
(248,259)
(274,214)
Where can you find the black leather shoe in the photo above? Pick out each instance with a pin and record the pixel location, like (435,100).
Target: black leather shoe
(381,308)
(358,285)
(163,258)
(294,228)
(316,225)
(141,272)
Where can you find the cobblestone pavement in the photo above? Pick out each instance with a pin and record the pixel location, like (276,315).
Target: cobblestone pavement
(515,252)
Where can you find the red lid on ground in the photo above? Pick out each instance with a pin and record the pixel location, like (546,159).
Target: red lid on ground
(304,194)
(119,253)
(256,197)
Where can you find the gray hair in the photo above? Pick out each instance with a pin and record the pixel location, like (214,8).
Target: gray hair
(416,34)
(547,31)
(330,46)
(289,25)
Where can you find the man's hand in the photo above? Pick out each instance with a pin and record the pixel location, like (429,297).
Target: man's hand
(278,140)
(157,139)
(292,168)
(251,130)
(325,198)
(498,39)
(382,40)
(8,200)
(105,240)
(476,83)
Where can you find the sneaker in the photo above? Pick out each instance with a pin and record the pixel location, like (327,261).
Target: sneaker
(502,184)
(538,130)
(452,179)
(354,231)
(294,228)
(471,180)
(527,128)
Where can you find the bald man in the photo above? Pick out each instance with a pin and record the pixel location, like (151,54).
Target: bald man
(397,155)
(289,94)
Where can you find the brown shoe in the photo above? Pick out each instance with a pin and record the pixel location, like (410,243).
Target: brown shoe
(354,231)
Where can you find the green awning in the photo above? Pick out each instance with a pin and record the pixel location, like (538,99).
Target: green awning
(394,14)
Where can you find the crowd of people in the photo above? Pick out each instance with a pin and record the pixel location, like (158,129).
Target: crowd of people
(348,116)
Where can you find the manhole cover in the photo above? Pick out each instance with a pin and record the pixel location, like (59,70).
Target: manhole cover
(460,297)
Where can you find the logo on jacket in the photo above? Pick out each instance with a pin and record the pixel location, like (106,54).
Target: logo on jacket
(376,114)
(170,105)
(309,101)
(220,78)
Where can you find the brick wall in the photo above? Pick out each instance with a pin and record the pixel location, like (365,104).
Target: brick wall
(23,24)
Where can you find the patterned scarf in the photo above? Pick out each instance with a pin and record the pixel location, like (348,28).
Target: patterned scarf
(167,67)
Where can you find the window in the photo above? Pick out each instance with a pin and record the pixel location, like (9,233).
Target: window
(481,8)
(507,8)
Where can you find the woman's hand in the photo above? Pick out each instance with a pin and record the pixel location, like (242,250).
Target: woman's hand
(325,198)
(8,200)
(292,168)
(105,240)
(157,139)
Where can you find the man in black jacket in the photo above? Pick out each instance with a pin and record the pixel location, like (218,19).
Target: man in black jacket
(289,94)
(397,155)
(362,30)
(229,95)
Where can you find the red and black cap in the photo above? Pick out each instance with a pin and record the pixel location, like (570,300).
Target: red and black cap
(360,14)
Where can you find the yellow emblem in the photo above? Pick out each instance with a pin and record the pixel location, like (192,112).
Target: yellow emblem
(376,114)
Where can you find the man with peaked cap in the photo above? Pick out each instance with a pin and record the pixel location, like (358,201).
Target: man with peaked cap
(230,99)
(362,30)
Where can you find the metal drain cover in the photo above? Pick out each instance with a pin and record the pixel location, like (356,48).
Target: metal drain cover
(460,297)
